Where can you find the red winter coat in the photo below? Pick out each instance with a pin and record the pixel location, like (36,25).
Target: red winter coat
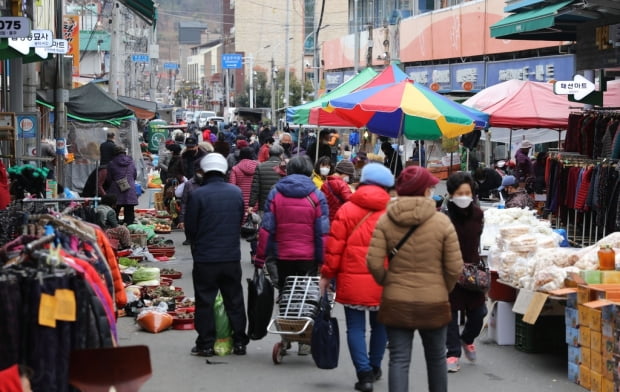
(242,175)
(5,197)
(337,193)
(263,153)
(347,247)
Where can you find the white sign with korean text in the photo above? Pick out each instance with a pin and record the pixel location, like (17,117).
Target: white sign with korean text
(36,39)
(580,87)
(59,46)
(14,27)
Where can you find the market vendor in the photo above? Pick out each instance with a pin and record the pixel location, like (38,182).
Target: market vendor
(488,180)
(107,219)
(515,196)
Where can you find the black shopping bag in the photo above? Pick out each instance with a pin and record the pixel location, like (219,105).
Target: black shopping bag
(260,304)
(325,337)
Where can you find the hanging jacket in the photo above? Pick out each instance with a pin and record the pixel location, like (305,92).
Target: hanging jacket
(417,281)
(242,175)
(122,166)
(5,196)
(296,222)
(337,192)
(347,247)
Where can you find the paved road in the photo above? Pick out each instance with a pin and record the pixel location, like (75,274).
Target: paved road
(498,368)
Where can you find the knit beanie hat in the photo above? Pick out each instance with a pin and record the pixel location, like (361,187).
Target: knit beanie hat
(345,167)
(414,181)
(377,174)
(241,144)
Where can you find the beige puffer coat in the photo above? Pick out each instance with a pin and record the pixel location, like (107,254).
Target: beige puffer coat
(420,277)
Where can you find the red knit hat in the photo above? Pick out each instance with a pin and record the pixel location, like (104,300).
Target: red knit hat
(414,181)
(242,144)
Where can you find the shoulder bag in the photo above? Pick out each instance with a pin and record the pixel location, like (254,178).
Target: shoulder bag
(402,241)
(475,277)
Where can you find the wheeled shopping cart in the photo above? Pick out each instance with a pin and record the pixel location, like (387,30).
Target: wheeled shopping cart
(298,307)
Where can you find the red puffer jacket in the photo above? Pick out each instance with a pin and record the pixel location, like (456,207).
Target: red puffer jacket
(242,175)
(347,247)
(337,192)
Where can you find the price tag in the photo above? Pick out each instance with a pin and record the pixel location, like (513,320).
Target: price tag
(65,305)
(47,311)
(14,27)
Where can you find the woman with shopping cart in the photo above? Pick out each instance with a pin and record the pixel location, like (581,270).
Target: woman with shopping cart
(295,226)
(345,261)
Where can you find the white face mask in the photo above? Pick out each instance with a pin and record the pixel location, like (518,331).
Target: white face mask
(345,179)
(324,171)
(462,201)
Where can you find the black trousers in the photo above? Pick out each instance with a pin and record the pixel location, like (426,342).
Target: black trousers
(208,279)
(129,216)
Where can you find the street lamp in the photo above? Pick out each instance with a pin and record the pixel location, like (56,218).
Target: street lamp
(303,57)
(274,71)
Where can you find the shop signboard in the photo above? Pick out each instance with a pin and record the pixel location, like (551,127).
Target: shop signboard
(598,46)
(435,77)
(14,27)
(348,75)
(467,77)
(580,87)
(536,69)
(333,80)
(27,125)
(420,74)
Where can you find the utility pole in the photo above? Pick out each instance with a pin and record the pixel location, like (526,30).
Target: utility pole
(287,75)
(370,44)
(115,55)
(356,39)
(273,92)
(251,60)
(60,115)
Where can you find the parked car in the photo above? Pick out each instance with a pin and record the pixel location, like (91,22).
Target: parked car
(188,116)
(201,117)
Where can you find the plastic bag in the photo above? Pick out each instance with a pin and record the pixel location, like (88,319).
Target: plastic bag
(260,304)
(223,346)
(222,324)
(249,229)
(154,320)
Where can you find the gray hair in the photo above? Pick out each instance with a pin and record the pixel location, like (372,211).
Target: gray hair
(299,164)
(276,150)
(285,134)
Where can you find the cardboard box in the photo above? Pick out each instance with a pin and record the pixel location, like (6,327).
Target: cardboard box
(572,317)
(584,376)
(607,347)
(584,315)
(599,311)
(584,337)
(574,355)
(573,373)
(608,386)
(583,294)
(585,357)
(571,300)
(595,381)
(572,336)
(608,369)
(596,362)
(596,341)
(502,323)
(610,277)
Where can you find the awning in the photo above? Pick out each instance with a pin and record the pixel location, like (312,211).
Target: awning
(145,9)
(529,21)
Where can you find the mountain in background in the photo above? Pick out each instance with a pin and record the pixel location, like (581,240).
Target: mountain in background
(171,12)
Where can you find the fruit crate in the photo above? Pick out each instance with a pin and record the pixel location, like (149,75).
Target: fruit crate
(548,335)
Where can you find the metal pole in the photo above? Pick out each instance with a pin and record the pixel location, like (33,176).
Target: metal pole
(315,62)
(115,55)
(227,92)
(273,93)
(60,115)
(287,74)
(356,35)
(251,81)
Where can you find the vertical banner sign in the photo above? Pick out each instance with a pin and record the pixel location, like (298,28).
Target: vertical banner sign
(71,32)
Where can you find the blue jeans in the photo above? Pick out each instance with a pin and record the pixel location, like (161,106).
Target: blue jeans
(400,344)
(363,360)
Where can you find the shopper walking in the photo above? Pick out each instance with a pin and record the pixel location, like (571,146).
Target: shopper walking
(418,279)
(191,154)
(183,194)
(322,169)
(295,226)
(242,175)
(336,187)
(214,215)
(122,183)
(467,219)
(345,261)
(265,177)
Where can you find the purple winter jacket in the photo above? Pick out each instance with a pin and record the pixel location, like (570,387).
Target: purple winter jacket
(122,166)
(296,222)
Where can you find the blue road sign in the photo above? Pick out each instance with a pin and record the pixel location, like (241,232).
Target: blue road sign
(171,66)
(232,61)
(140,58)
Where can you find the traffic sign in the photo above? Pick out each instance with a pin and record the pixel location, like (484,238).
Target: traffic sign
(232,61)
(580,87)
(36,39)
(140,58)
(14,27)
(171,66)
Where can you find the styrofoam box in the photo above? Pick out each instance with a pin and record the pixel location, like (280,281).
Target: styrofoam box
(502,323)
